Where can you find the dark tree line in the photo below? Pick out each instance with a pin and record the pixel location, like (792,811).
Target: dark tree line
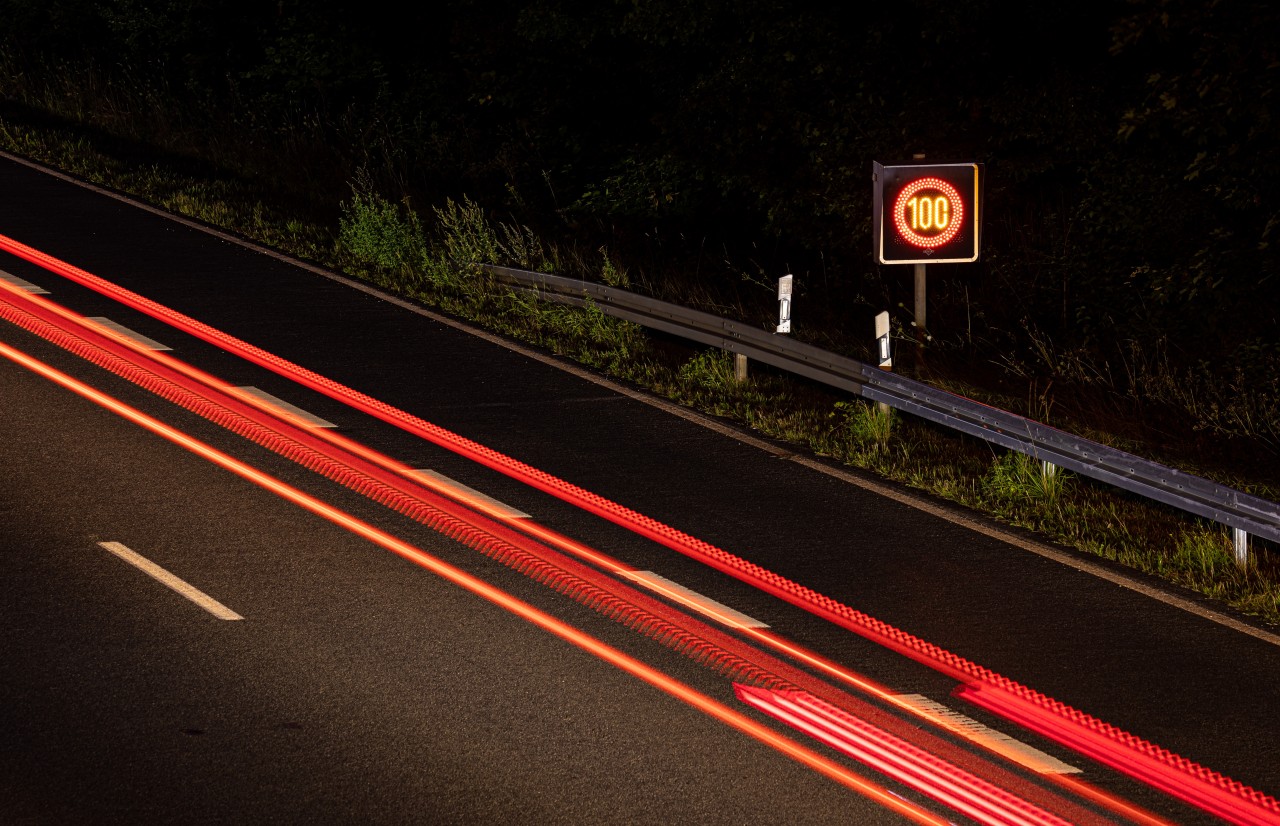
(1131,147)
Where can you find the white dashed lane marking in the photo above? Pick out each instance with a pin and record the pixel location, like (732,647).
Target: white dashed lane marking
(997,741)
(474,496)
(286,410)
(132,335)
(187,590)
(27,286)
(692,599)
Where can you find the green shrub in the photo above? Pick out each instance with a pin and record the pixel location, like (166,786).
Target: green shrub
(1017,476)
(867,425)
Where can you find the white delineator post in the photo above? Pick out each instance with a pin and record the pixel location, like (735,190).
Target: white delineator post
(784,324)
(784,304)
(884,349)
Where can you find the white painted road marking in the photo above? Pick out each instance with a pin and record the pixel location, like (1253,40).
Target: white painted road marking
(692,599)
(26,286)
(285,409)
(497,506)
(997,741)
(132,335)
(189,591)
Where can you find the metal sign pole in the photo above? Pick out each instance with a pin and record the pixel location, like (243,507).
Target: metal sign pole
(920,293)
(921,321)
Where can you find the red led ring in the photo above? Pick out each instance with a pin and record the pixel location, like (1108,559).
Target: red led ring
(953,225)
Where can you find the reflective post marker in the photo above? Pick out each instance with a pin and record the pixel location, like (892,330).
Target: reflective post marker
(883,349)
(784,304)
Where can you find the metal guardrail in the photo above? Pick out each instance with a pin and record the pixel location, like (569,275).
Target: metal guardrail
(1246,514)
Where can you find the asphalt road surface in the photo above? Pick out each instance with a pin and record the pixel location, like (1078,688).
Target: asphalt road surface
(359,686)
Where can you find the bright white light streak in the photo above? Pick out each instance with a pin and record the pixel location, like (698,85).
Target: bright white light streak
(159,574)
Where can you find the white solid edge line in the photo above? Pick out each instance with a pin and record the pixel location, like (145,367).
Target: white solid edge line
(154,571)
(884,489)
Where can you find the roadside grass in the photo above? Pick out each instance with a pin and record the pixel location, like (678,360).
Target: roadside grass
(433,262)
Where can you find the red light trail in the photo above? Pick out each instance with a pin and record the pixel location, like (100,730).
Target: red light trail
(199,392)
(1233,802)
(586,642)
(1071,728)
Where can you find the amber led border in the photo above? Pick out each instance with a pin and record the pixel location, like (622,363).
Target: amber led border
(928,241)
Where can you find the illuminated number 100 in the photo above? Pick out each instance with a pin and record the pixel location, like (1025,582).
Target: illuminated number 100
(930,213)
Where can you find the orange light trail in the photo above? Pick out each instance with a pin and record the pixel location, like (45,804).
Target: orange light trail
(524,610)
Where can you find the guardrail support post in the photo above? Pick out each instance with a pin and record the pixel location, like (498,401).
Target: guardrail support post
(739,367)
(1240,539)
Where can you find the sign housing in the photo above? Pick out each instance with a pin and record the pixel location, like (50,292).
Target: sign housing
(927,213)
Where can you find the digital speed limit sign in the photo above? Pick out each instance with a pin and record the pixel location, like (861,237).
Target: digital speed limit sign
(927,214)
